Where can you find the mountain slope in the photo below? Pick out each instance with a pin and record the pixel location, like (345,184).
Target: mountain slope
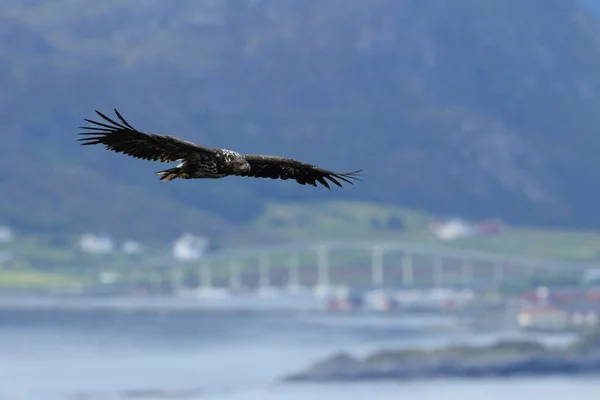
(89,201)
(463,107)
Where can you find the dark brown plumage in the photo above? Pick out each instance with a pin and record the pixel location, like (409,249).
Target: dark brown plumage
(198,162)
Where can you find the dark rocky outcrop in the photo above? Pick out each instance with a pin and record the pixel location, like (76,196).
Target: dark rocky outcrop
(508,358)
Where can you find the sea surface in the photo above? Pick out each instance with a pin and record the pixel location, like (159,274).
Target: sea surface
(235,356)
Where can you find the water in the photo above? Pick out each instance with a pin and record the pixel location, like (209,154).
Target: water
(230,356)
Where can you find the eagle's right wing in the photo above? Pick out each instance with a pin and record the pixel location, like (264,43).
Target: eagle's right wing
(275,167)
(123,138)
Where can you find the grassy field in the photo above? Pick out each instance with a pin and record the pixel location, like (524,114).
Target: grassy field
(355,220)
(29,278)
(574,245)
(342,220)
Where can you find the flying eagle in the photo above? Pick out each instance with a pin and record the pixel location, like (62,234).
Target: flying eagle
(199,162)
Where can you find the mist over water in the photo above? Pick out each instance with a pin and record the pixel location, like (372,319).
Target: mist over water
(228,356)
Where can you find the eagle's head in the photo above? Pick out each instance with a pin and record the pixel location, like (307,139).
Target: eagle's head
(234,162)
(239,165)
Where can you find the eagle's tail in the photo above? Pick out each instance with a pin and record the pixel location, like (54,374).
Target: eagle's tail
(170,174)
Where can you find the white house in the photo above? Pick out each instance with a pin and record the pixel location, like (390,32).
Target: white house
(452,229)
(97,244)
(189,247)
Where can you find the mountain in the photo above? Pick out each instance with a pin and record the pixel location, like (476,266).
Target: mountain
(453,106)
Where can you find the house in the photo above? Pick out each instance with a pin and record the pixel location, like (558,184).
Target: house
(547,309)
(490,227)
(544,318)
(189,247)
(455,228)
(451,229)
(97,244)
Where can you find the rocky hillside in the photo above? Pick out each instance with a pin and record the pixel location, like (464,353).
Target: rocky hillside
(454,106)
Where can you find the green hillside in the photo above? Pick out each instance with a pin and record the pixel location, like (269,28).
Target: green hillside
(464,108)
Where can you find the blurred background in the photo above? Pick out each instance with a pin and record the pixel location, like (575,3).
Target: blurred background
(470,249)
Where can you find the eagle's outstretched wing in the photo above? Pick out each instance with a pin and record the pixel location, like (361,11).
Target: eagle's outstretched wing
(123,138)
(287,168)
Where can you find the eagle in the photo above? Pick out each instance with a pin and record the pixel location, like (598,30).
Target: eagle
(199,162)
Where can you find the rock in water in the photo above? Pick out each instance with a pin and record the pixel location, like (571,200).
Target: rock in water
(506,358)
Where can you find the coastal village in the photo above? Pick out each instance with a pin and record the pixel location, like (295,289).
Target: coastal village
(548,308)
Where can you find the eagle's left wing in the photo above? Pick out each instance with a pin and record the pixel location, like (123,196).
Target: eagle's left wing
(121,137)
(287,168)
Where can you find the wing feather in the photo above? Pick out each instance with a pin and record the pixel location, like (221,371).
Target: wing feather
(121,137)
(275,167)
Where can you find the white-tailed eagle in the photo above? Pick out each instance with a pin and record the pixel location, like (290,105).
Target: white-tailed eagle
(199,162)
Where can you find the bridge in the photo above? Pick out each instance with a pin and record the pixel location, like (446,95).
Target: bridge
(373,264)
